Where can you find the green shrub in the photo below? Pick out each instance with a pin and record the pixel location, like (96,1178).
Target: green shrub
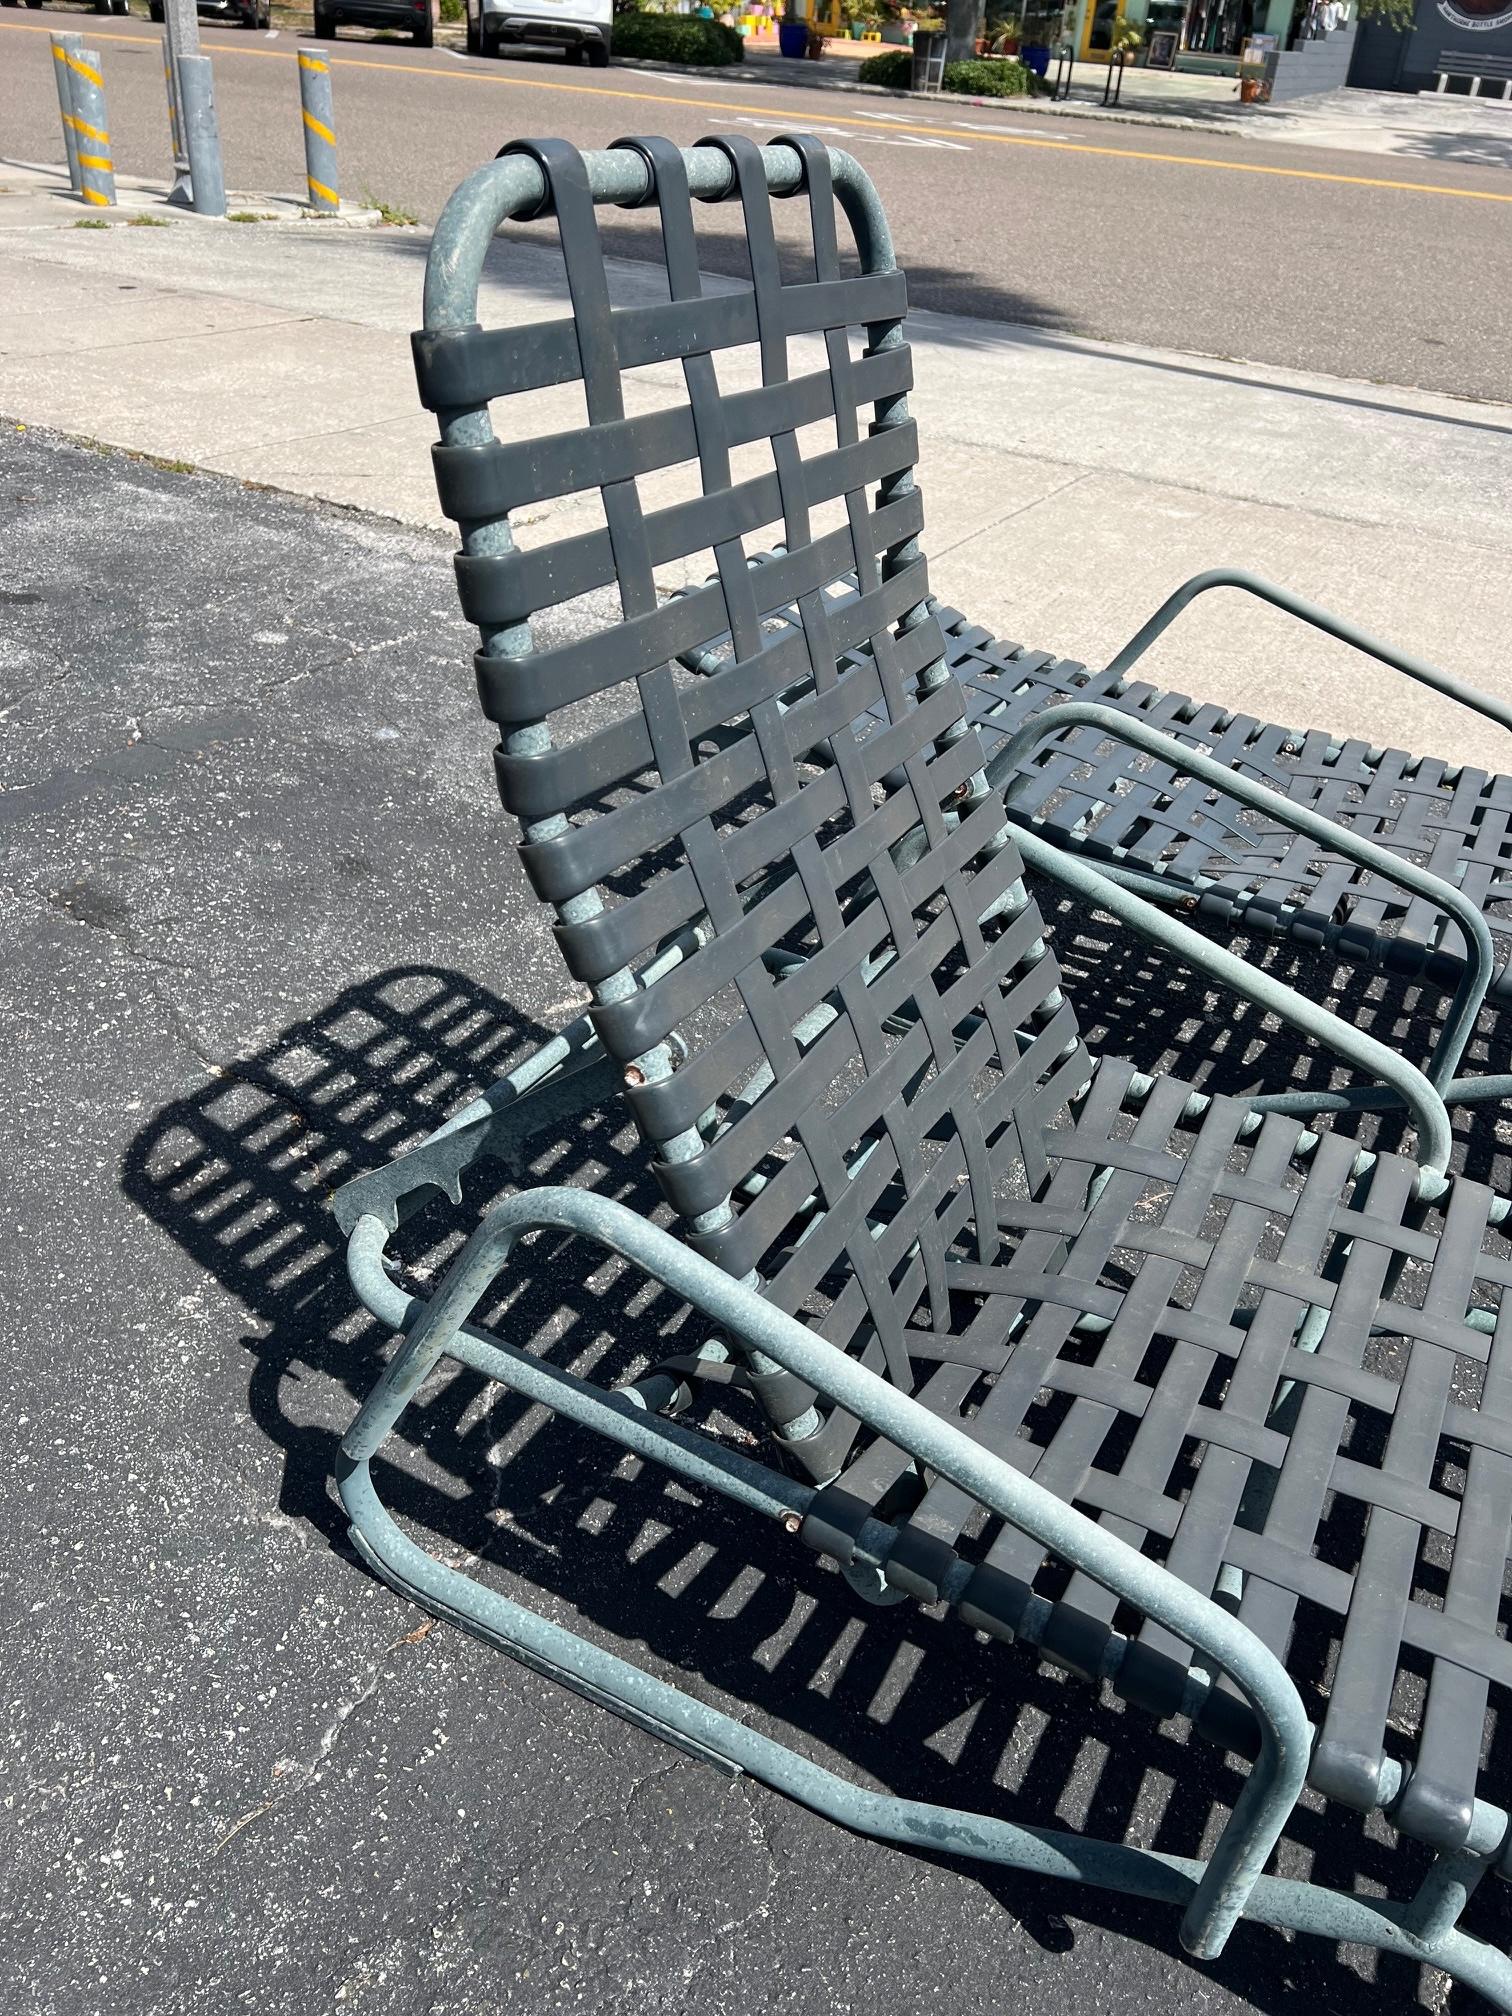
(980,77)
(677,38)
(894,68)
(452,10)
(988,77)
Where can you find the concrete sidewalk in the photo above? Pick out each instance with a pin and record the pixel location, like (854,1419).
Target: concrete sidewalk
(1069,484)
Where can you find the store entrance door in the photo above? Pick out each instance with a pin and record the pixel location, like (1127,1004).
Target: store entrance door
(1103,16)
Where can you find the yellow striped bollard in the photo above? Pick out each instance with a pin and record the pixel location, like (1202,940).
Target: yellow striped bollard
(87,121)
(61,45)
(319,131)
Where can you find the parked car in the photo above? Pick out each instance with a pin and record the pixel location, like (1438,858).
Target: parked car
(581,28)
(418,17)
(100,6)
(250,13)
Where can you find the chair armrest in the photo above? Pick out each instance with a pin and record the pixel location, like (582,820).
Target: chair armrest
(1206,957)
(1320,619)
(1276,1779)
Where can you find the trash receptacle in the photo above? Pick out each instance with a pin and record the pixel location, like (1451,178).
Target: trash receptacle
(928,59)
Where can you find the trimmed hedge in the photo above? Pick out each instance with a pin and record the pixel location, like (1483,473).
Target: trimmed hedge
(979,77)
(677,38)
(894,68)
(989,77)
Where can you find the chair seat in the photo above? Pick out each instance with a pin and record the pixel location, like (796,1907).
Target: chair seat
(1119,803)
(1367,1508)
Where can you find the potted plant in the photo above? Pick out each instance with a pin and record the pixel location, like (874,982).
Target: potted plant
(1005,36)
(793,30)
(1039,25)
(1126,40)
(814,44)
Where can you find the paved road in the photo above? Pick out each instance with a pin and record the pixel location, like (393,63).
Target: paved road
(1353,265)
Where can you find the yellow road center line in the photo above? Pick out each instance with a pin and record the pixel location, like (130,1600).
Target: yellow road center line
(726,105)
(318,126)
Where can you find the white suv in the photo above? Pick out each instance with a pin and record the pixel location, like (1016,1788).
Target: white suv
(579,27)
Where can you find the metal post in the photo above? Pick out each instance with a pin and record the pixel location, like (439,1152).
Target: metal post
(201,180)
(181,21)
(181,192)
(91,127)
(202,135)
(319,131)
(62,47)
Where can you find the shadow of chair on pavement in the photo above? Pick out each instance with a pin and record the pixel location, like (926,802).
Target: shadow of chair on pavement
(240,1173)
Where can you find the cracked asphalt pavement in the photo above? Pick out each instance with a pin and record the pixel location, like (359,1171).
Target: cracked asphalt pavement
(262,923)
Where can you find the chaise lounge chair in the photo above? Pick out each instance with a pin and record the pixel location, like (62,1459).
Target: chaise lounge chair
(1151,1384)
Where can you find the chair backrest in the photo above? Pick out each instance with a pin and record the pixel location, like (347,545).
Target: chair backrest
(816,895)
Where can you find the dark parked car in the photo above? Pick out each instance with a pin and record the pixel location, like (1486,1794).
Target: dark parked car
(250,13)
(418,16)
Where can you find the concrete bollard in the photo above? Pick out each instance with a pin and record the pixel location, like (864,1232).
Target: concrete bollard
(319,131)
(61,47)
(202,135)
(198,176)
(91,126)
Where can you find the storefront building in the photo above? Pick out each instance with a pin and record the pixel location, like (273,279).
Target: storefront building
(1463,47)
(1209,34)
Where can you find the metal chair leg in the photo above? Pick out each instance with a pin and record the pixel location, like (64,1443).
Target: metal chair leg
(1212,1895)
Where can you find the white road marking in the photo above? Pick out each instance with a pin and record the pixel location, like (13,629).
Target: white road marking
(854,139)
(979,126)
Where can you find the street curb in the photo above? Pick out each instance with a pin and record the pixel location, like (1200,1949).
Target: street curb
(1225,124)
(136,198)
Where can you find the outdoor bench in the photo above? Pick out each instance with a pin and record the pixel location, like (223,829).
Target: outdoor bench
(1477,68)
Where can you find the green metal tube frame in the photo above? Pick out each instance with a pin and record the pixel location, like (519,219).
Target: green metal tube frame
(1277,1778)
(1199,951)
(1488,1087)
(1427,1110)
(1213,1895)
(1319,619)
